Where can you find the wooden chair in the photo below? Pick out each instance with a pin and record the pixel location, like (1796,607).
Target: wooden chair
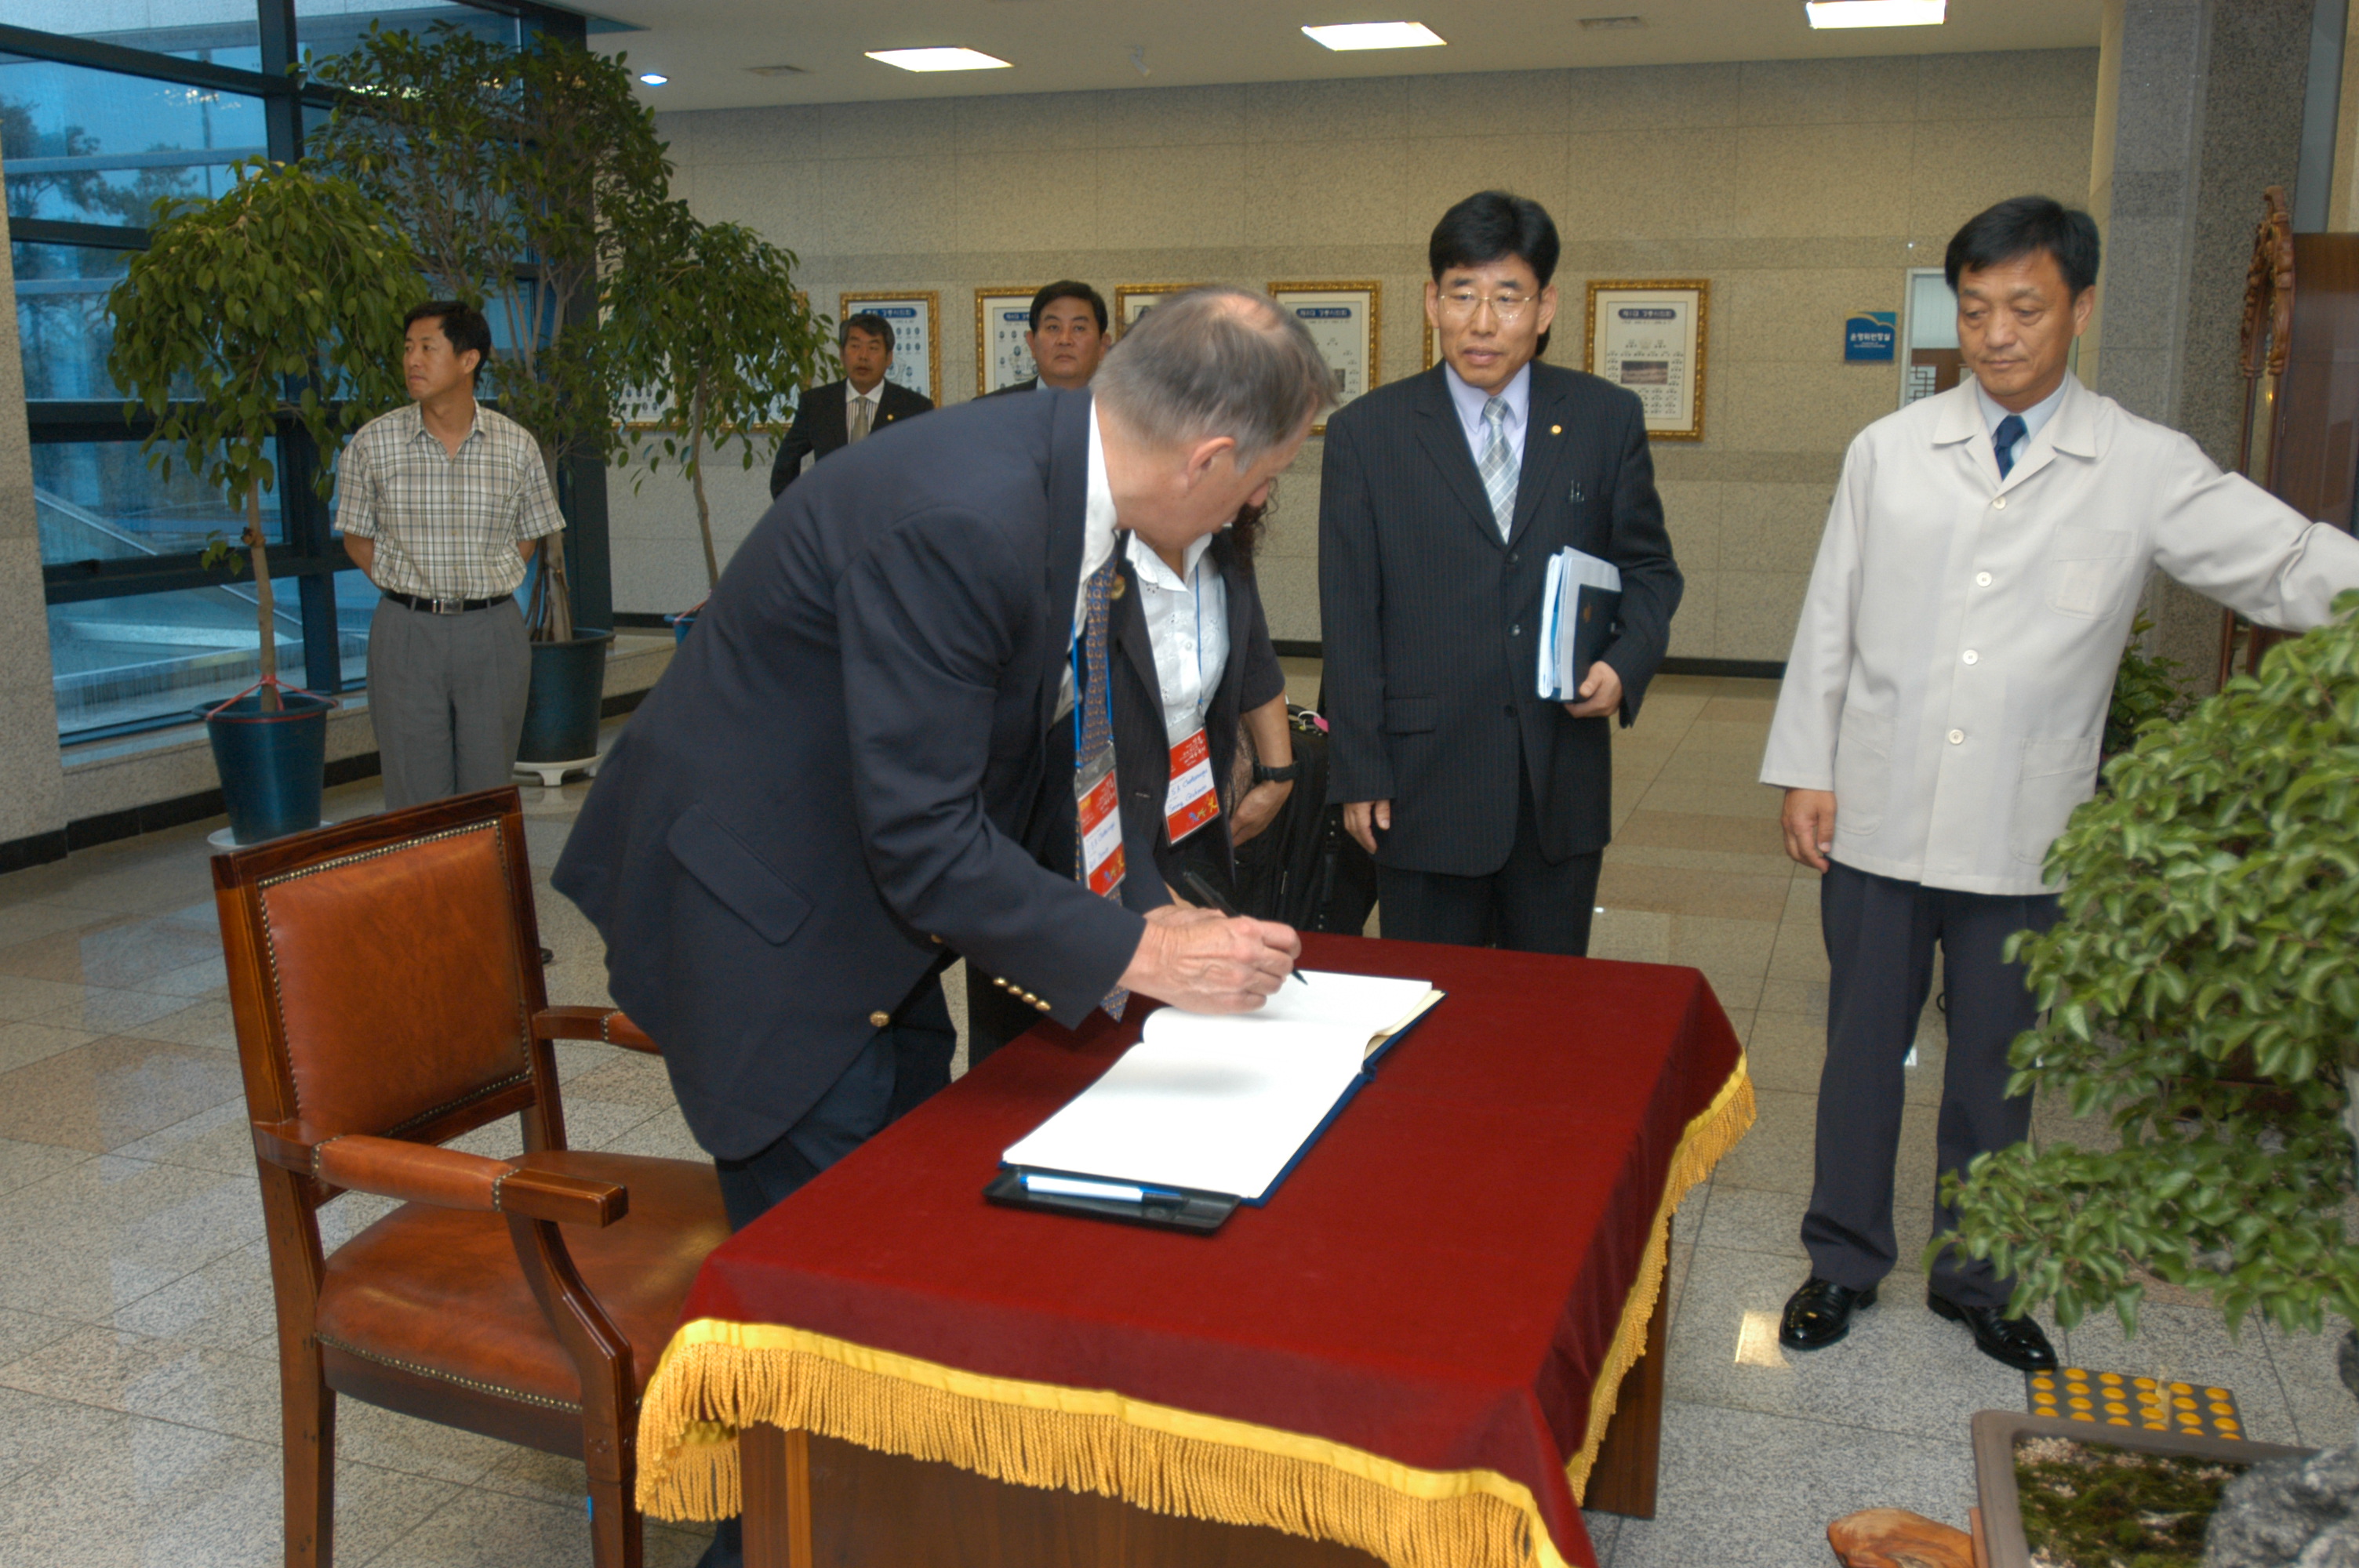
(386,979)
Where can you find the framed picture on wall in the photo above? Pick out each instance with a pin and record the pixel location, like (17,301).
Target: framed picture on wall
(1003,316)
(1132,301)
(1649,337)
(917,335)
(1343,319)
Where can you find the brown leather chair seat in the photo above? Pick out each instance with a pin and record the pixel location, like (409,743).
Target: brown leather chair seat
(396,1291)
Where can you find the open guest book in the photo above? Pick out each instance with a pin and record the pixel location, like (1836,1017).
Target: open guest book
(1209,1111)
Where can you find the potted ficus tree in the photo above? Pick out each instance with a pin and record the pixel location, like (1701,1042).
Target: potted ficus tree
(2202,990)
(280,298)
(718,340)
(522,176)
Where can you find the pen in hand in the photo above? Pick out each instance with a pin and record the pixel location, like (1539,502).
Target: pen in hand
(1209,897)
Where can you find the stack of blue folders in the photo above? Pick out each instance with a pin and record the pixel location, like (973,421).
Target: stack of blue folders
(1577,610)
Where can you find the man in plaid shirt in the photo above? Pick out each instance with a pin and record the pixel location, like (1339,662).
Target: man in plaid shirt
(441,503)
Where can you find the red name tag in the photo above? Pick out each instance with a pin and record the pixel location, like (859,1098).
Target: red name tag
(1191,801)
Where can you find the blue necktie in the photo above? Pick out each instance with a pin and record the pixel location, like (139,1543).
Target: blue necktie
(2003,440)
(1097,717)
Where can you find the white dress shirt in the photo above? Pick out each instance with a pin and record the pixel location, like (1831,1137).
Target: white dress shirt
(1954,661)
(853,403)
(1188,625)
(1470,401)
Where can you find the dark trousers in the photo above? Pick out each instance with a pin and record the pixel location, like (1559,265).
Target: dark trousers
(1880,935)
(902,1064)
(447,694)
(1531,904)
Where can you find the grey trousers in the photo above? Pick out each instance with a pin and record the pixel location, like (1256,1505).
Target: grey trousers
(446,693)
(1880,934)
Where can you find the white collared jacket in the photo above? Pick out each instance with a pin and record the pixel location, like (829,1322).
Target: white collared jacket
(1950,674)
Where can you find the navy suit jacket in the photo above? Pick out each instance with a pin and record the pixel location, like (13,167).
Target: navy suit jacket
(1429,619)
(828,791)
(822,424)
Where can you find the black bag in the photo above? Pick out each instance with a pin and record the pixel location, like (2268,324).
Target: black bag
(1303,869)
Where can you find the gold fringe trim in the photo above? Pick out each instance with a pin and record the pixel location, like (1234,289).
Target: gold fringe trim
(1710,1135)
(717,1377)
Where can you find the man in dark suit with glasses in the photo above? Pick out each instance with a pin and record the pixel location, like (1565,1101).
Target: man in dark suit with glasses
(1442,498)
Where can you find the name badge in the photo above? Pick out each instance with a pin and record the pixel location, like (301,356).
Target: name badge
(1099,805)
(1191,801)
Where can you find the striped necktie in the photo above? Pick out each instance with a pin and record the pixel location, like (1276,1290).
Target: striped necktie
(859,431)
(1097,722)
(1499,467)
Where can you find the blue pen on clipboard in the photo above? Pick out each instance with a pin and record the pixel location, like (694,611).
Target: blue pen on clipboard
(1113,1192)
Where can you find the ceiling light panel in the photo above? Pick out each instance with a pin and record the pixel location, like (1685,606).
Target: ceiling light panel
(1877,13)
(939,59)
(1376,36)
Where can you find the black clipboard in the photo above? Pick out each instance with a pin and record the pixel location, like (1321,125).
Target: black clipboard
(1197,1213)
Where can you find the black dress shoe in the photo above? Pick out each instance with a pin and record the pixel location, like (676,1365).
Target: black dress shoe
(1820,1314)
(547,957)
(2016,1342)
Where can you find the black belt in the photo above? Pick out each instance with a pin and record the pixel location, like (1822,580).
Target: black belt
(445,606)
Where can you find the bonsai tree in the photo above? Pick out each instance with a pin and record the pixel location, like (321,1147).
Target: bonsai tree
(717,336)
(520,176)
(282,297)
(2202,987)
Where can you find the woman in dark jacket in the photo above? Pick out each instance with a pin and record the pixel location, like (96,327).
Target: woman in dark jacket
(1192,663)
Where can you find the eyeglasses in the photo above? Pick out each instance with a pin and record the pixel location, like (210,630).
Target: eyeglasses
(1509,308)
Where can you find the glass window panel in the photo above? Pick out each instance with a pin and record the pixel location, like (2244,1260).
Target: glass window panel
(331,27)
(356,600)
(224,32)
(61,319)
(154,657)
(92,146)
(100,500)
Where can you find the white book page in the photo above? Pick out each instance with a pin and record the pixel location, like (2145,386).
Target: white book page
(1220,1104)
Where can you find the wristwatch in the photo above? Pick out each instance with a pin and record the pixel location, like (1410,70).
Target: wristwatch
(1287,774)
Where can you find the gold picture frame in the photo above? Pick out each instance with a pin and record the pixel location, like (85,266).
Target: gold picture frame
(1656,342)
(988,358)
(1145,295)
(1346,320)
(897,305)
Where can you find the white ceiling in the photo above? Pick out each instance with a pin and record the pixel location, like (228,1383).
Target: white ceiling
(707,46)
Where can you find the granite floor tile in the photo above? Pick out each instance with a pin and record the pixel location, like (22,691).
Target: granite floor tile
(1801,953)
(34,1428)
(148,1492)
(1627,854)
(1901,1370)
(162,1380)
(120,955)
(2190,1345)
(206,978)
(22,1333)
(94,1237)
(1805,999)
(479,1528)
(1742,1489)
(220,1137)
(107,1010)
(663,1136)
(630,1078)
(22,1164)
(22,999)
(112,1091)
(23,921)
(1775,1153)
(1604,1529)
(1712,894)
(1711,799)
(228,1304)
(1685,830)
(23,1043)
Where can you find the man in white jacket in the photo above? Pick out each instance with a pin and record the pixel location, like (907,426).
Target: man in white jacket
(1942,709)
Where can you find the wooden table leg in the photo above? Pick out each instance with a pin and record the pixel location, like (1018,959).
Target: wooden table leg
(1622,1481)
(776,1467)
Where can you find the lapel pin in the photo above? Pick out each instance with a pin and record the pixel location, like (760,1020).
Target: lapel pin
(1575,495)
(1118,583)
(1555,430)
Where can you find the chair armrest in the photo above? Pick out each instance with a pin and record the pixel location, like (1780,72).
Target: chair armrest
(603,1023)
(444,1178)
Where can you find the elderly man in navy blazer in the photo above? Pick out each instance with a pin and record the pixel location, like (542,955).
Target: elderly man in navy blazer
(828,795)
(1442,499)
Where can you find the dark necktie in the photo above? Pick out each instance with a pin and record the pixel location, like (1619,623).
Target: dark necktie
(2003,440)
(1096,719)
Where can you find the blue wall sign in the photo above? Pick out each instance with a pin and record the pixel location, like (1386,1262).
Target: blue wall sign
(1870,337)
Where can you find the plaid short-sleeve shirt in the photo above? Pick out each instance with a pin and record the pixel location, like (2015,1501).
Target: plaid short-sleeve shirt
(445,527)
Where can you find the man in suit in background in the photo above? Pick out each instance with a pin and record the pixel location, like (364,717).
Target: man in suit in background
(1442,498)
(838,413)
(1068,337)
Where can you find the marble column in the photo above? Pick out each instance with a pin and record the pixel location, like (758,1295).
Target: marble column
(32,781)
(2199,110)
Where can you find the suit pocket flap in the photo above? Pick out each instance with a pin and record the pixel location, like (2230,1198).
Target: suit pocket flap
(1411,715)
(733,873)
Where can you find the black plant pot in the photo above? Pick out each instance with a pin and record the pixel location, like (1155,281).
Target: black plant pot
(561,716)
(271,765)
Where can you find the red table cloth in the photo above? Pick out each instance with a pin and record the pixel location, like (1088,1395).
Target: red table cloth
(1411,1350)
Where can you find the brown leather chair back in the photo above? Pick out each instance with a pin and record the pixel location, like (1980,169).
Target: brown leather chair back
(400,972)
